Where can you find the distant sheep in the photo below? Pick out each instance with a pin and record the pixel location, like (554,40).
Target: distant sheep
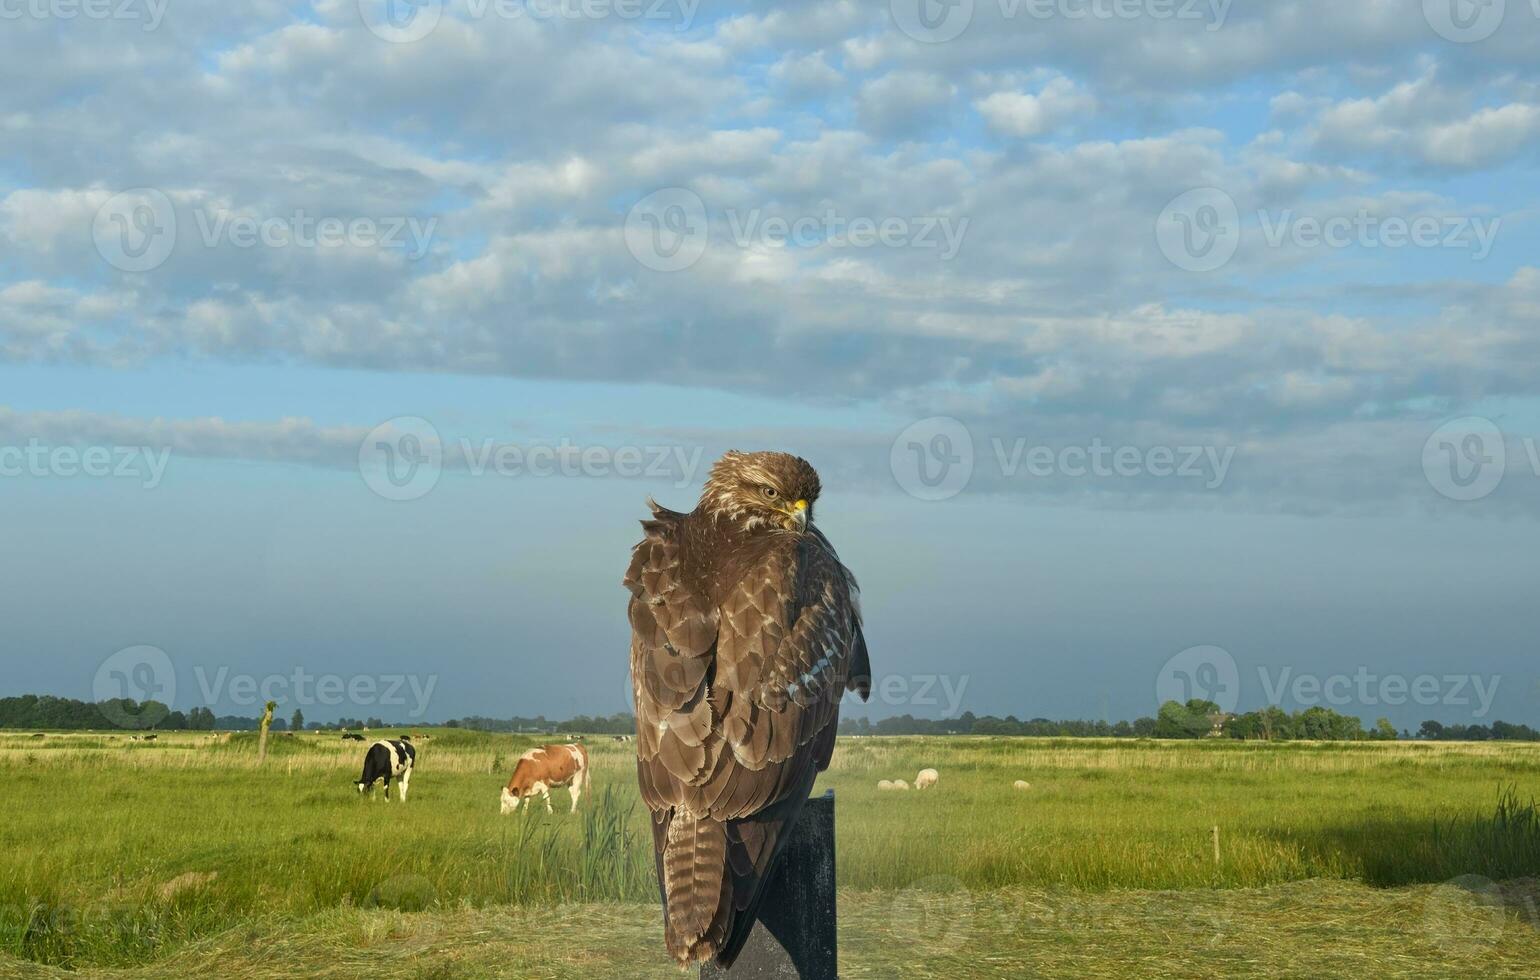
(926,779)
(885,784)
(900,784)
(1021,784)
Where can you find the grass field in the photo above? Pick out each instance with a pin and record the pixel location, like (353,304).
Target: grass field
(181,857)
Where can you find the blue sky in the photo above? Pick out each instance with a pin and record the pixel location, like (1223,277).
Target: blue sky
(1083,232)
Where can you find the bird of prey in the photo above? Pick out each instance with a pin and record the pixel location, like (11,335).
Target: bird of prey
(745,634)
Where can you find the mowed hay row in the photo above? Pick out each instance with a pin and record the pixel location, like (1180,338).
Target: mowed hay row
(310,752)
(879,753)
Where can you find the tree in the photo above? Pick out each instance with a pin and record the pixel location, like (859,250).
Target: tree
(297,723)
(1384,731)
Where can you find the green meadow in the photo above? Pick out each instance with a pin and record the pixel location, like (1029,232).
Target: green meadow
(183,857)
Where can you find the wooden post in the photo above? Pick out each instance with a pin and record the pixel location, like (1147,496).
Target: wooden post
(267,722)
(1216,845)
(796,937)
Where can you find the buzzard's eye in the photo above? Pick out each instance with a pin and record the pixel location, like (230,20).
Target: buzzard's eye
(769,492)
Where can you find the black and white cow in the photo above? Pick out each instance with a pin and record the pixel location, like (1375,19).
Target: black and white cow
(387,760)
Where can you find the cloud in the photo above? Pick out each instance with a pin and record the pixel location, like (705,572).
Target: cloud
(1427,122)
(1024,114)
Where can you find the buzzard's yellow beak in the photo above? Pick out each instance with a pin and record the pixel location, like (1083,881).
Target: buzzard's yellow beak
(799,514)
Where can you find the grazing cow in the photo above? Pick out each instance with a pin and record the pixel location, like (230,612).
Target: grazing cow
(541,768)
(351,737)
(387,760)
(1021,784)
(926,779)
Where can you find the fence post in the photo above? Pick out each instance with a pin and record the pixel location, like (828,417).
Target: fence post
(796,937)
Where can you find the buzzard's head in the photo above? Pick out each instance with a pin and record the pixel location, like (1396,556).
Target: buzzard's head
(762,490)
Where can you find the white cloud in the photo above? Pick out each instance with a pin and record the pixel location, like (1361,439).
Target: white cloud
(1024,114)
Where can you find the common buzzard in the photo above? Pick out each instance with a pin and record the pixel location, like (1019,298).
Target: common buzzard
(745,634)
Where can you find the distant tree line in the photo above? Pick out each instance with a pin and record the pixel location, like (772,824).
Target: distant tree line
(43,711)
(1195,719)
(617,724)
(1500,731)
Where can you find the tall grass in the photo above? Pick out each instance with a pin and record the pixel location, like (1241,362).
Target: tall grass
(97,827)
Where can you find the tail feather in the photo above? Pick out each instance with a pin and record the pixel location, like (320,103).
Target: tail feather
(697,887)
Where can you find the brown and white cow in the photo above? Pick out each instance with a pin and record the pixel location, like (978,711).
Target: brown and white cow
(541,768)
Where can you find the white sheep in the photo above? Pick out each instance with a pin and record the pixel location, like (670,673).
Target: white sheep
(885,784)
(900,784)
(1021,784)
(926,779)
